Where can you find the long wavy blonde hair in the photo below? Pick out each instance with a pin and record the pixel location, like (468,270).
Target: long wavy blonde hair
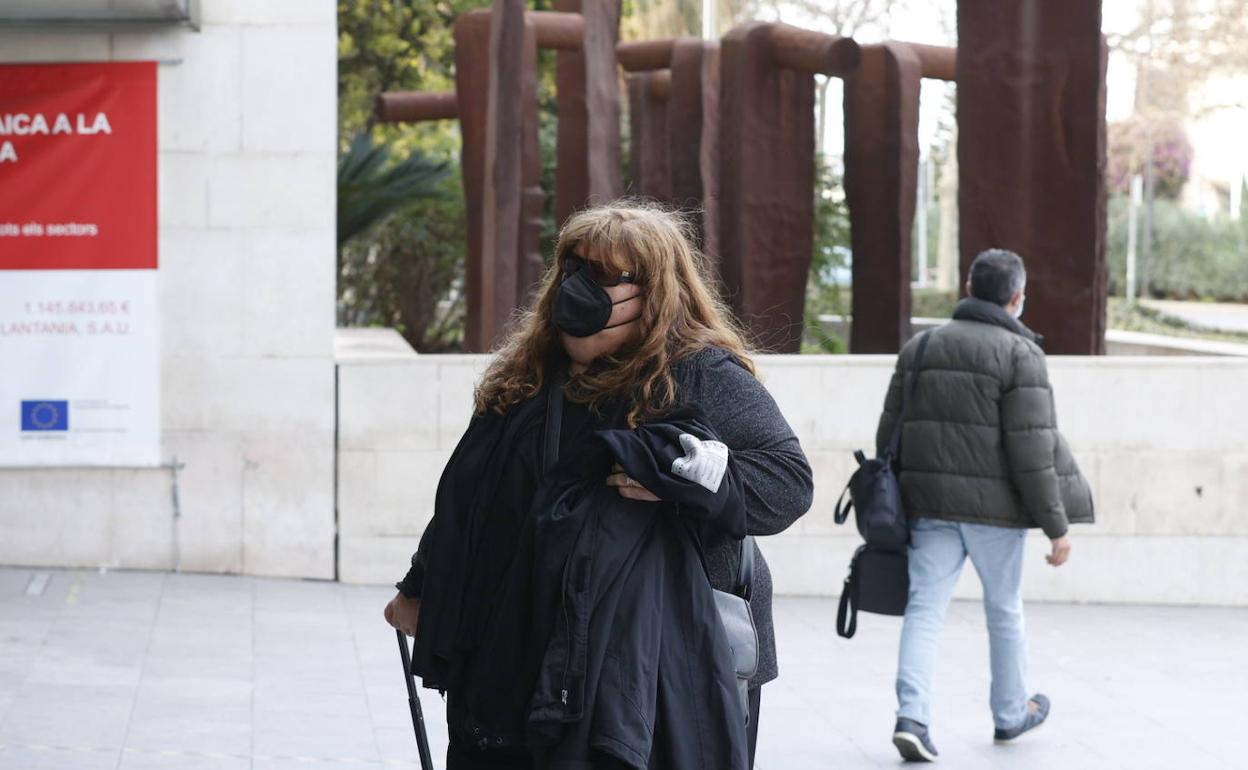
(681,314)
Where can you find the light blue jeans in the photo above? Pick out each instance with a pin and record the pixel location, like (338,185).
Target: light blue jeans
(937,552)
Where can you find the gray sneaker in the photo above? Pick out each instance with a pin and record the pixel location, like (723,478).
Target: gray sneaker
(913,741)
(1031,721)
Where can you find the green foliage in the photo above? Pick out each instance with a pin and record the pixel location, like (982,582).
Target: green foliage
(548,141)
(405,269)
(401,263)
(407,272)
(392,45)
(1192,257)
(371,187)
(824,293)
(932,303)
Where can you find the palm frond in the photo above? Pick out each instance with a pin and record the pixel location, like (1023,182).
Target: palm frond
(371,185)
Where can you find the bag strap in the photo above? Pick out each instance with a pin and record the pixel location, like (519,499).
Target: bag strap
(745,569)
(847,610)
(554,418)
(743,582)
(907,398)
(841,512)
(846,614)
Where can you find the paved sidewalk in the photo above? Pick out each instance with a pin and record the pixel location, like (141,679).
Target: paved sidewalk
(1221,316)
(150,670)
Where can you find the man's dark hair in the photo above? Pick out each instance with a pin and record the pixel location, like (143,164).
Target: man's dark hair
(997,275)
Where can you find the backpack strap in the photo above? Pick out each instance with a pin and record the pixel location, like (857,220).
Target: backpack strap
(907,398)
(841,512)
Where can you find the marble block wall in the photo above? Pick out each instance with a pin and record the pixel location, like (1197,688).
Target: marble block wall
(247,156)
(1164,442)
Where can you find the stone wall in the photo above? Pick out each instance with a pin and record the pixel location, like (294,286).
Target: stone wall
(1164,442)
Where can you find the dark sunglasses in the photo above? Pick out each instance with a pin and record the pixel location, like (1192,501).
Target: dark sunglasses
(574,263)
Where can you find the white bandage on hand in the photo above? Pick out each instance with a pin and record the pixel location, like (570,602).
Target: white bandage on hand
(704,462)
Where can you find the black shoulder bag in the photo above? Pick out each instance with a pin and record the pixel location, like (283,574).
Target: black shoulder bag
(734,612)
(879,579)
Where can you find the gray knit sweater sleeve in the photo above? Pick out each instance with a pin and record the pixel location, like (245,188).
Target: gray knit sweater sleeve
(775,476)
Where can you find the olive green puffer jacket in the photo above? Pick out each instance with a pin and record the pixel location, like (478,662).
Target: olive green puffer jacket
(980,443)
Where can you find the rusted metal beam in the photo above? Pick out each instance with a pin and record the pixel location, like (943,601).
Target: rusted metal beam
(1031,158)
(588,93)
(415,106)
(881,175)
(557,30)
(687,117)
(812,52)
(767,163)
(496,102)
(645,55)
(661,85)
(649,159)
(936,62)
(472,89)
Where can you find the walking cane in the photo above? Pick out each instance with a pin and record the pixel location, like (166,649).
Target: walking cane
(413,700)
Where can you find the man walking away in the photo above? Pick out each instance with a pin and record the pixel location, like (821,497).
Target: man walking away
(981,462)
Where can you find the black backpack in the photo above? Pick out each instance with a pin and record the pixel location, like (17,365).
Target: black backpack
(874,493)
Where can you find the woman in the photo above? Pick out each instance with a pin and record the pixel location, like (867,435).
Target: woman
(626,314)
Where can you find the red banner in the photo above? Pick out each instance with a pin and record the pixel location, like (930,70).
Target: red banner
(78,166)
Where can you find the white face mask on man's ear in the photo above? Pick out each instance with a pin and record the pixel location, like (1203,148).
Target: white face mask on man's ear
(1018,311)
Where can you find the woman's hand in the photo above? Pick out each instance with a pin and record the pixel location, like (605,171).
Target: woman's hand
(403,613)
(628,487)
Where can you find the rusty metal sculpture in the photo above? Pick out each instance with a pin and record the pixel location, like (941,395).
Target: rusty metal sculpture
(881,166)
(1031,157)
(495,100)
(767,163)
(728,130)
(673,104)
(650,151)
(588,168)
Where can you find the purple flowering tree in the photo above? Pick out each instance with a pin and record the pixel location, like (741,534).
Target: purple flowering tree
(1128,152)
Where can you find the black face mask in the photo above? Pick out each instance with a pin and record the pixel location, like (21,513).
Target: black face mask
(583,308)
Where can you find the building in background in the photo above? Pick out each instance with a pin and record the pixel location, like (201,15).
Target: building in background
(246,149)
(1216,127)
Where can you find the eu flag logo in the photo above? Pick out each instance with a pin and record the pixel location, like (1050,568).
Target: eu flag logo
(45,415)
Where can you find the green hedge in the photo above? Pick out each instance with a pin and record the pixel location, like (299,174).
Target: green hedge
(1192,257)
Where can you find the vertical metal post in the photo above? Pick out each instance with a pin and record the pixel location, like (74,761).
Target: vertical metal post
(1133,215)
(924,200)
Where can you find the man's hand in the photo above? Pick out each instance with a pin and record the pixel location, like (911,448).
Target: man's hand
(628,486)
(1061,551)
(403,613)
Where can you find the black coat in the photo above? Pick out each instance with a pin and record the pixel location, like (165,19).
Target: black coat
(775,477)
(601,631)
(639,648)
